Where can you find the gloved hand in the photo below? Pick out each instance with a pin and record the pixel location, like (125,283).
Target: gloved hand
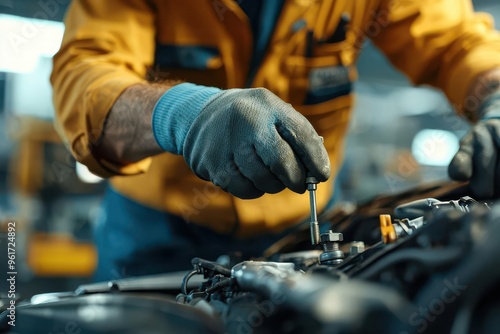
(478,159)
(247,141)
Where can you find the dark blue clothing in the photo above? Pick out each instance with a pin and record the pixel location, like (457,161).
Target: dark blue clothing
(133,239)
(263,15)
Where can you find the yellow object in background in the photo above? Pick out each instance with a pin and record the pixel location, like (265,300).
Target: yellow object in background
(387,229)
(60,255)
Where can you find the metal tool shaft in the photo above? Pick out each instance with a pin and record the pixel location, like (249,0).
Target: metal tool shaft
(312,182)
(312,198)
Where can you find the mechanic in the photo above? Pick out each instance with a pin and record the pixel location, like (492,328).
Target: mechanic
(174,101)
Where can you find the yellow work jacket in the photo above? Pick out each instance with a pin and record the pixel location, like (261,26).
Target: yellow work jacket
(112,44)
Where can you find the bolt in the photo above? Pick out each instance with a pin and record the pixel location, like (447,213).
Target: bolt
(357,247)
(331,252)
(330,236)
(330,246)
(330,239)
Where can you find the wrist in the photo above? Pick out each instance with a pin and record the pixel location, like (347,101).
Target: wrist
(490,107)
(176,110)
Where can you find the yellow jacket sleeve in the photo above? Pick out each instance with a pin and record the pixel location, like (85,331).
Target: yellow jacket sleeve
(107,46)
(443,43)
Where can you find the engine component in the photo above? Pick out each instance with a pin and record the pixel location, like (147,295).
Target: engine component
(356,247)
(392,231)
(331,250)
(437,272)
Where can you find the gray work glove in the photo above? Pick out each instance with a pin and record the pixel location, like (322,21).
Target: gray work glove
(478,159)
(247,141)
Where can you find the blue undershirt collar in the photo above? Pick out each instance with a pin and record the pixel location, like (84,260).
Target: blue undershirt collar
(263,16)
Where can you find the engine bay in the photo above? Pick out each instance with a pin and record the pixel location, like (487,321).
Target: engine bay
(423,261)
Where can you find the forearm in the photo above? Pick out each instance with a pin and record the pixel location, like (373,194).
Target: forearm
(127,134)
(485,84)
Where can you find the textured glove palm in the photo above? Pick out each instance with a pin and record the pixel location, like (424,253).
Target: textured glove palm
(249,142)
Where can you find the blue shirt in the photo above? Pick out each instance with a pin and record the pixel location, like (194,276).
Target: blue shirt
(263,15)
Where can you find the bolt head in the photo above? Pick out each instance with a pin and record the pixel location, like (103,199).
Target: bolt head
(357,247)
(330,236)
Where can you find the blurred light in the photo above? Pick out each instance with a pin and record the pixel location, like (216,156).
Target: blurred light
(418,101)
(23,41)
(85,175)
(434,147)
(30,94)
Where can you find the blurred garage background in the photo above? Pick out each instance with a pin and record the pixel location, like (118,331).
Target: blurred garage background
(400,137)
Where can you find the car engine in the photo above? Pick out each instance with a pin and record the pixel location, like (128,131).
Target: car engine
(424,261)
